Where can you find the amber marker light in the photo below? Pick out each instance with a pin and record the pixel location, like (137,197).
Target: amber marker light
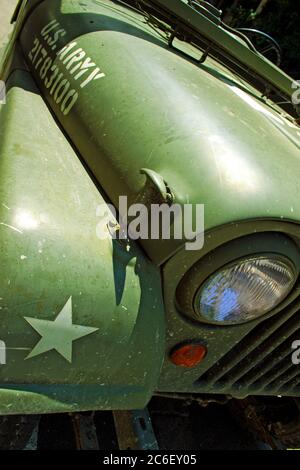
(188,354)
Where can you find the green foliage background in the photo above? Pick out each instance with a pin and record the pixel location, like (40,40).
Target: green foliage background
(279,18)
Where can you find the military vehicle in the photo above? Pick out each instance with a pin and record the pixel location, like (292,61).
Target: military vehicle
(161,102)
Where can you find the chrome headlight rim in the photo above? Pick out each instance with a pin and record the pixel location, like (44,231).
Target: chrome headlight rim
(254,245)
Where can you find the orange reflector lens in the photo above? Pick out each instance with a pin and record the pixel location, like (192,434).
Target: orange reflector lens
(188,355)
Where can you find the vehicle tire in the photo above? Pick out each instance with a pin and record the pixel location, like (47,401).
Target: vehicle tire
(15,431)
(276,421)
(287,433)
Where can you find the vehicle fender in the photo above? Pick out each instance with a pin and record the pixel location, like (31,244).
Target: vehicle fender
(55,267)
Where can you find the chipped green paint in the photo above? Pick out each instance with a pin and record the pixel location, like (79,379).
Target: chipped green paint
(49,252)
(121,100)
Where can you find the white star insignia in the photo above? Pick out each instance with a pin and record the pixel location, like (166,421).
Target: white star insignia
(58,334)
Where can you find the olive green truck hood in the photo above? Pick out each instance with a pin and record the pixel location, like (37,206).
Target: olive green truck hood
(138,104)
(124,101)
(82,318)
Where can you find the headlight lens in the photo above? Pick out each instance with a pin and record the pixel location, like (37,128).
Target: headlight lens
(245,290)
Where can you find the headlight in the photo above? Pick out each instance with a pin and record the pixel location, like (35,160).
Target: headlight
(245,290)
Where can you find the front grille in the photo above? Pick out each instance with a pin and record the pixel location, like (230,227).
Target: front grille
(261,363)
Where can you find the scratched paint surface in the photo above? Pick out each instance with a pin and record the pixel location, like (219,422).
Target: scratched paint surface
(6,9)
(75,310)
(202,143)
